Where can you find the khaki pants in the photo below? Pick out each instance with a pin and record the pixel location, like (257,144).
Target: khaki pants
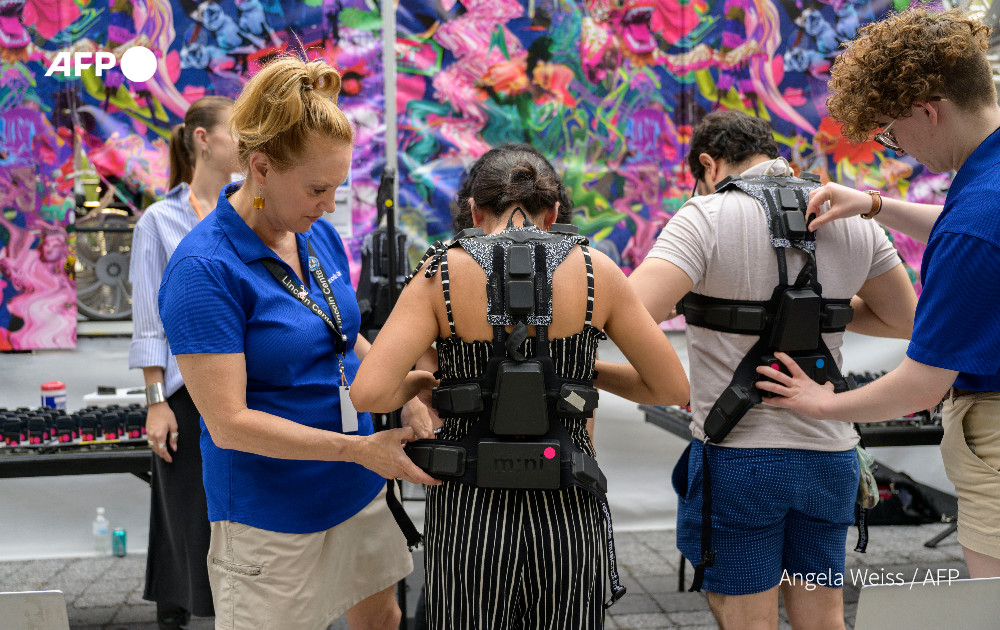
(263,580)
(970,449)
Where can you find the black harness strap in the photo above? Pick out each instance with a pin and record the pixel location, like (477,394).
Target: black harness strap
(751,317)
(413,537)
(707,553)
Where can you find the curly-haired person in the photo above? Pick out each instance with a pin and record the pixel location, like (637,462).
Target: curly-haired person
(922,80)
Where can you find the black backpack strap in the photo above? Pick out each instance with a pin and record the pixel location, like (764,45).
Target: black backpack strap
(495,300)
(543,293)
(750,317)
(738,398)
(708,555)
(413,537)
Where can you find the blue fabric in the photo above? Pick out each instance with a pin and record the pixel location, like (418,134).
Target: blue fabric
(217,297)
(778,515)
(957,324)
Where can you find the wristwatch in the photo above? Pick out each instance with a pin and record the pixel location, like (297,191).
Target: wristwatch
(155,394)
(876,204)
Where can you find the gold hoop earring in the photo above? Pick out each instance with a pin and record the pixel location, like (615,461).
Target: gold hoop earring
(258,201)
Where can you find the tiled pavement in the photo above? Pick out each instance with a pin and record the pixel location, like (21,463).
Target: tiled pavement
(106,593)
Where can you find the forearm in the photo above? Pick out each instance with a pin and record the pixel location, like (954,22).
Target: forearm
(385,402)
(913,219)
(380,398)
(909,388)
(152,374)
(262,433)
(621,379)
(867,322)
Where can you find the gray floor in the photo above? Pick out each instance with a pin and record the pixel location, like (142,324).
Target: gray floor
(106,593)
(46,541)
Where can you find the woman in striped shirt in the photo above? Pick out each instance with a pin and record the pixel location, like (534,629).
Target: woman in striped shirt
(202,160)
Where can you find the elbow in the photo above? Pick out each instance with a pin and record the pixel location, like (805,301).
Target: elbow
(681,393)
(364,398)
(674,392)
(906,328)
(902,325)
(931,397)
(220,436)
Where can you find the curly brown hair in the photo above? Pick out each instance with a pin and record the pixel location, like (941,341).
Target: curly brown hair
(731,136)
(910,56)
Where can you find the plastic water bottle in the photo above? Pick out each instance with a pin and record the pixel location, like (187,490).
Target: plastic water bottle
(102,534)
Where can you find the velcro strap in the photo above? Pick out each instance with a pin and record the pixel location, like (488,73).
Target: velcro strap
(438,459)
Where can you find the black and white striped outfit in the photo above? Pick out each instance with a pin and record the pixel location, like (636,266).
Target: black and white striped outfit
(515,559)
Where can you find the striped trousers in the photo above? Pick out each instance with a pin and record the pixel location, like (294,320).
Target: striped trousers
(514,559)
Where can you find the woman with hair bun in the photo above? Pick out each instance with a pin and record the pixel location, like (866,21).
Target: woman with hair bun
(499,558)
(259,309)
(202,161)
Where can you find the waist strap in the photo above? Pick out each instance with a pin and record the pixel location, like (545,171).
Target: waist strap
(458,460)
(751,317)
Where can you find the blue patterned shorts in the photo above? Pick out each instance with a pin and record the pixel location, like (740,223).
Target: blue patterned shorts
(775,512)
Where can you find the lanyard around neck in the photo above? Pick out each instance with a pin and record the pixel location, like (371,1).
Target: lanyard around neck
(336,325)
(197,206)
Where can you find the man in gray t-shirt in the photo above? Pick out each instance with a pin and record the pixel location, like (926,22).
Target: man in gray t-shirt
(783,484)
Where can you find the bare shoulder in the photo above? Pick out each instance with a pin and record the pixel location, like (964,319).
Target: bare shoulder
(605,269)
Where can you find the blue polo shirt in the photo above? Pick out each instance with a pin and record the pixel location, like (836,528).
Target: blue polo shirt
(957,325)
(217,297)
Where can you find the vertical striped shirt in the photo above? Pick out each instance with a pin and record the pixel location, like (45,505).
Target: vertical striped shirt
(159,230)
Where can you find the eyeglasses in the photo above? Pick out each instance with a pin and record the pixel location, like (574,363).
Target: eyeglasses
(888,139)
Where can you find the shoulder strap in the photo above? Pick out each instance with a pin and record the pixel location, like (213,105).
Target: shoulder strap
(590,285)
(446,286)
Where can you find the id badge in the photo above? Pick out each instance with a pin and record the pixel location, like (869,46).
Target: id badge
(348,414)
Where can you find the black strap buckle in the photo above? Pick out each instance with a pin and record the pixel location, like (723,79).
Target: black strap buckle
(616,594)
(708,559)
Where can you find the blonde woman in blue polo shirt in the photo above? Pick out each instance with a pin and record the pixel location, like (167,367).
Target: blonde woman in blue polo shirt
(261,315)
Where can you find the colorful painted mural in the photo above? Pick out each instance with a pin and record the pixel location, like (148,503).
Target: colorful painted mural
(121,127)
(610,90)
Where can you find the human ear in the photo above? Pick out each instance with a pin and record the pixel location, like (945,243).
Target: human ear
(477,214)
(259,167)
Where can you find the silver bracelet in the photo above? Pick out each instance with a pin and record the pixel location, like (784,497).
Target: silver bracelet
(155,394)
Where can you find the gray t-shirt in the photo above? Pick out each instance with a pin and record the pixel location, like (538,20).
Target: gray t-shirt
(721,242)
